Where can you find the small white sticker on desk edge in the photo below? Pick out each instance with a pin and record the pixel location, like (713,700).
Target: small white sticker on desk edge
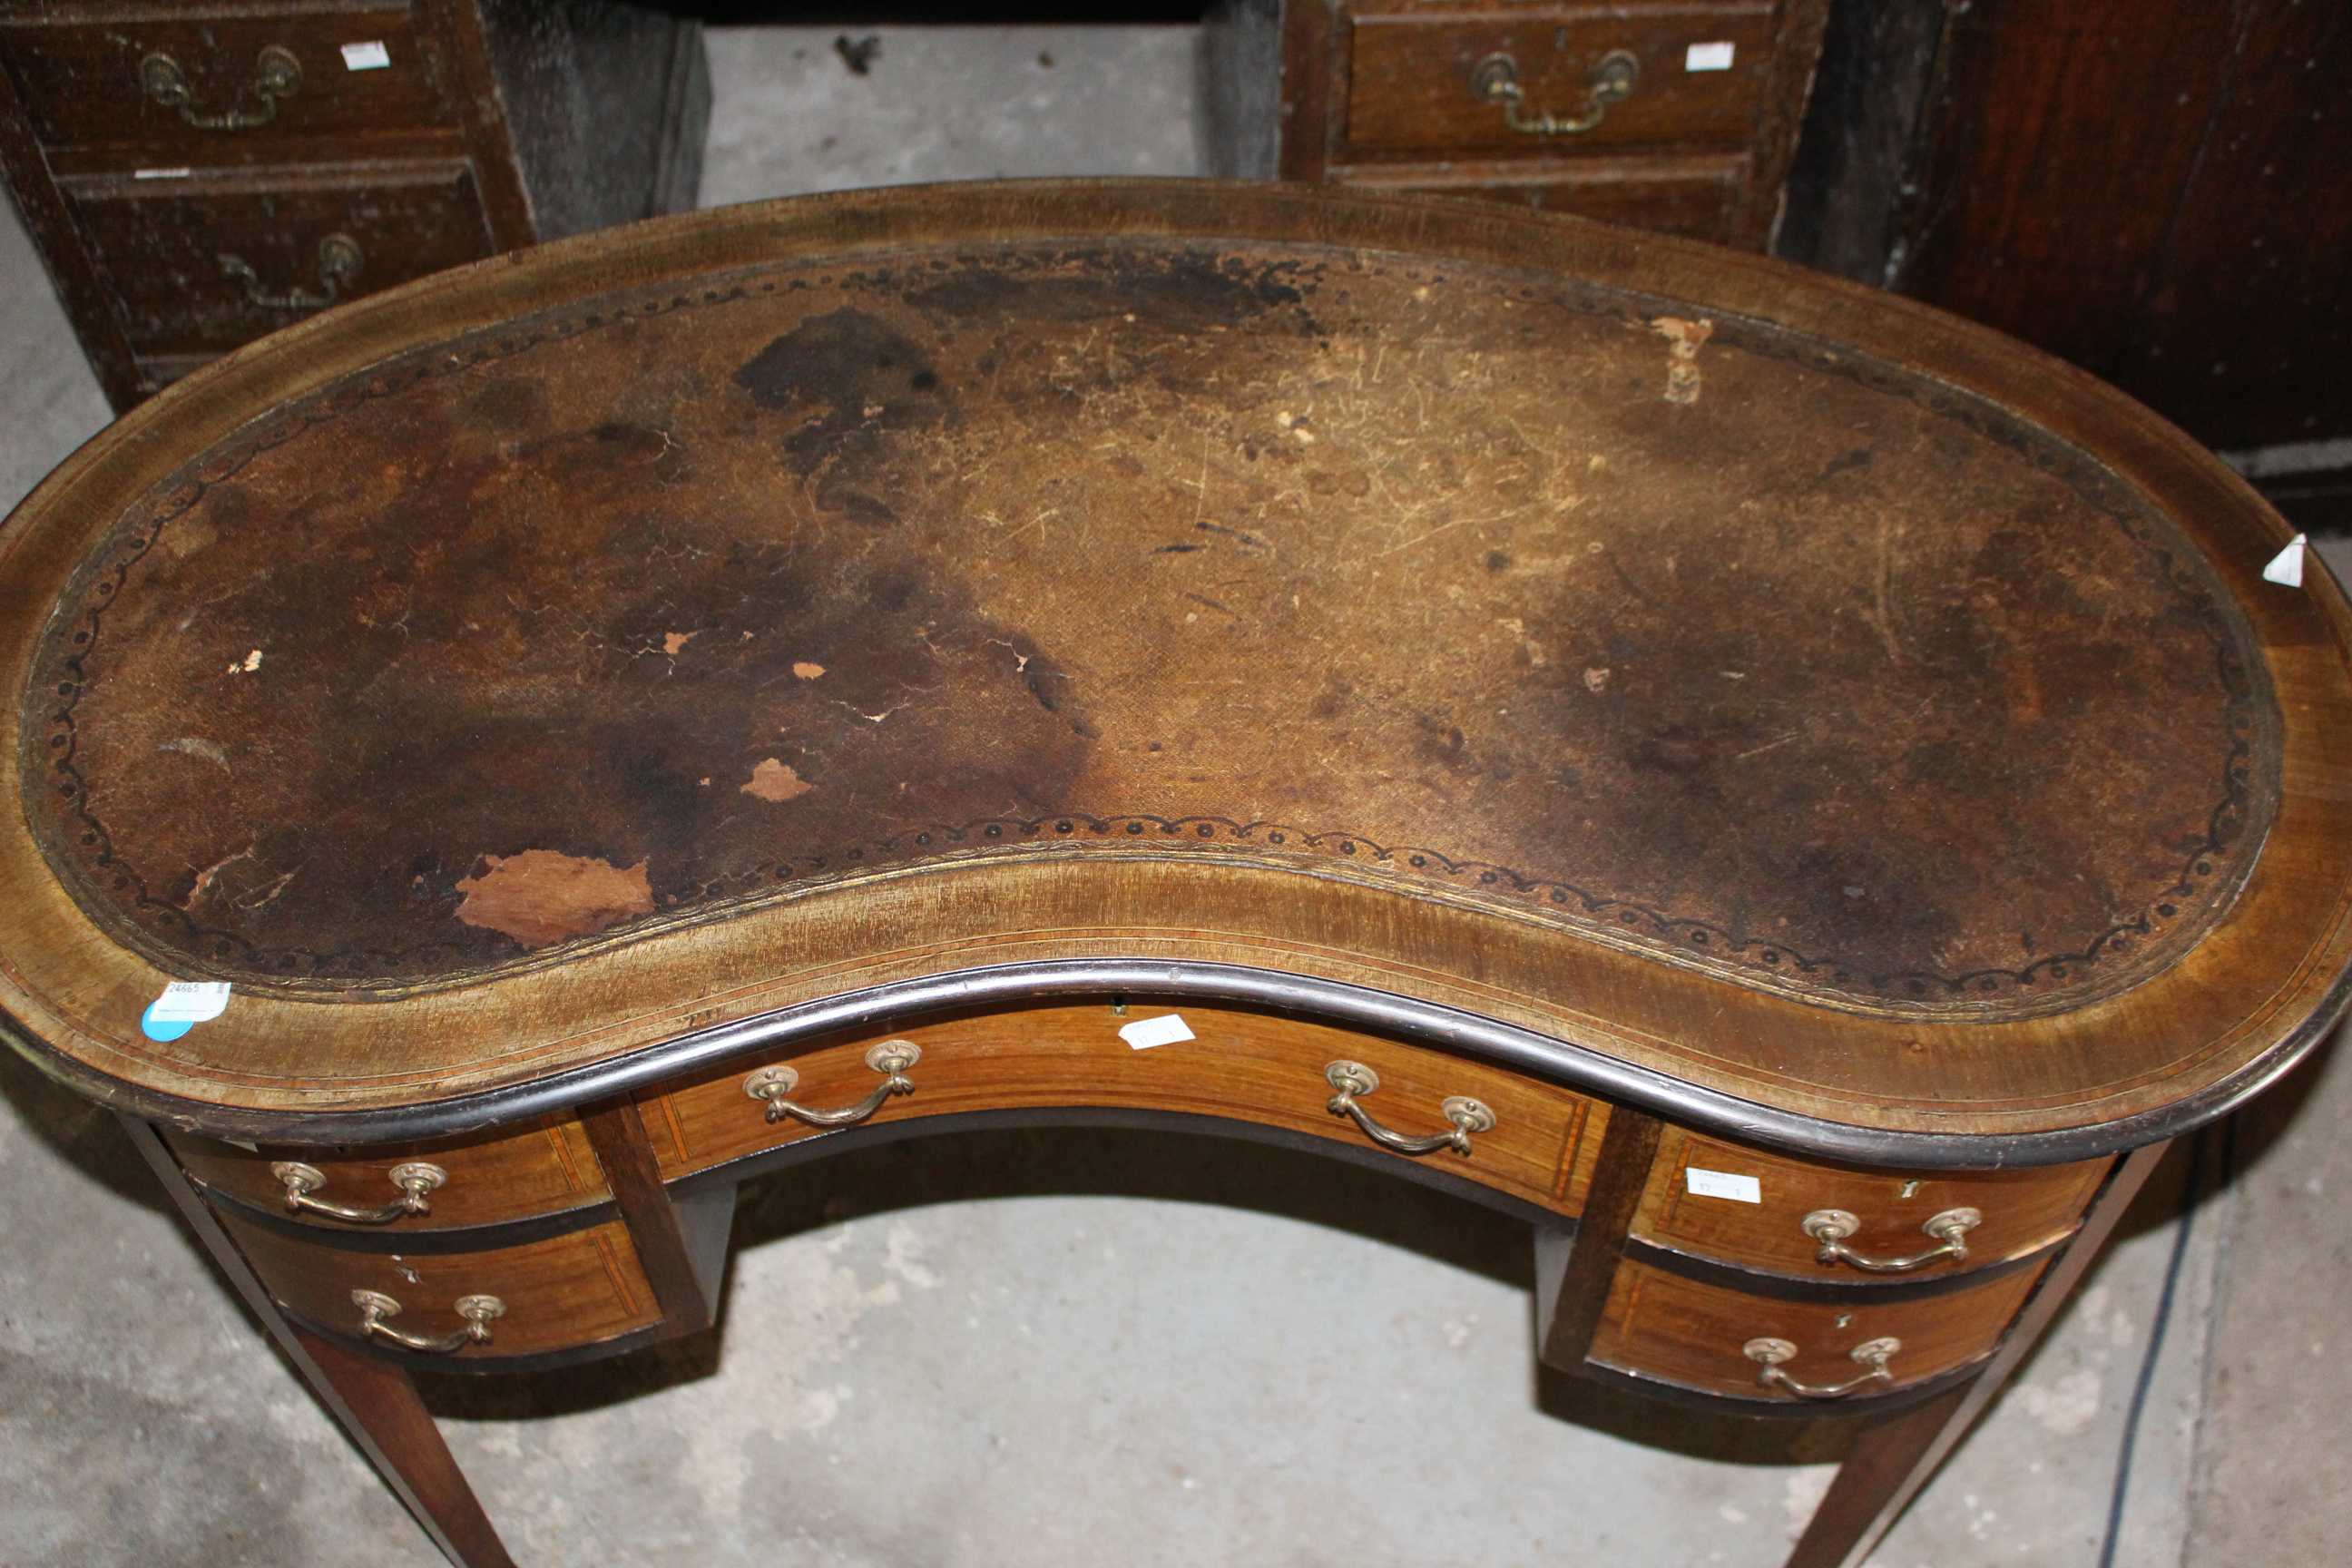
(2286,566)
(191,1002)
(371,56)
(1164,1030)
(1723,1185)
(1714,57)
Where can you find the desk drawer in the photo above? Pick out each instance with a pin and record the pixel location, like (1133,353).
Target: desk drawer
(572,1290)
(2016,1212)
(201,265)
(88,83)
(1659,1325)
(1246,1066)
(1412,78)
(545,1169)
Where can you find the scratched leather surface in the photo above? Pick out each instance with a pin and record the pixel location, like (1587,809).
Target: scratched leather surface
(1676,632)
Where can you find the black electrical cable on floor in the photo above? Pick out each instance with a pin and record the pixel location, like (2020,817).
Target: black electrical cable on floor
(2190,1194)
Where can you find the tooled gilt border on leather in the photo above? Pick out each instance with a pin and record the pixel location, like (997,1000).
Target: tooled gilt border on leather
(2238,817)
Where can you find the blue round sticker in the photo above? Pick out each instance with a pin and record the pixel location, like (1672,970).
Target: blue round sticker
(165,1029)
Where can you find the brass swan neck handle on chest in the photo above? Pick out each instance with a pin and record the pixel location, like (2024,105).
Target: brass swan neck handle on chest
(276,74)
(1496,80)
(340,259)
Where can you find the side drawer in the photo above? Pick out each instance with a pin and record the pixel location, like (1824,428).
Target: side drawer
(1692,196)
(1413,78)
(570,1291)
(264,83)
(1662,1326)
(512,1174)
(2015,1212)
(1246,1066)
(201,265)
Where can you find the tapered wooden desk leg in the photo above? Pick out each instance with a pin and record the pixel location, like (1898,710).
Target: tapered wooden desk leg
(1891,1459)
(374,1401)
(1893,1456)
(377,1404)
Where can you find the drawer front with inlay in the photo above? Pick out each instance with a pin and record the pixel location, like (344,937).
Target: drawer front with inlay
(1532,1141)
(1727,1342)
(202,264)
(1679,116)
(489,1179)
(1846,1225)
(1557,81)
(572,1290)
(198,89)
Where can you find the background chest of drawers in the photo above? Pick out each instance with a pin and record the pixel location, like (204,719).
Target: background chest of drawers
(1657,113)
(196,175)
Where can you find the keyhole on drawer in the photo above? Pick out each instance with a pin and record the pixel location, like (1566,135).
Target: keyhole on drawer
(1910,1190)
(1845,1319)
(400,1267)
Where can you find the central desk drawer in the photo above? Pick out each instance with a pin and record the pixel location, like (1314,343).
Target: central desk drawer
(1235,1064)
(570,1291)
(1748,1208)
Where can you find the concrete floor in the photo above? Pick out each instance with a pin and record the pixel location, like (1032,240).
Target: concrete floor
(1083,1348)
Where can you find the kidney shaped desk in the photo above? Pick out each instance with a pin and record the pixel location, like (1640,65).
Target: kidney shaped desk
(1796,796)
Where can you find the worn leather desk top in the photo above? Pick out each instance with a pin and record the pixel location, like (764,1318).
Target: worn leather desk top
(1486,565)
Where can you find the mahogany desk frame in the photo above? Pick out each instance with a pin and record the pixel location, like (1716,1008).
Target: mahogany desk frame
(1622,1110)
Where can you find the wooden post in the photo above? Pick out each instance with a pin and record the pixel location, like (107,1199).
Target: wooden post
(1893,1456)
(374,1400)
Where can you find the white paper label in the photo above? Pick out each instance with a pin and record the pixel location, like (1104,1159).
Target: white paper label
(1723,1185)
(2286,566)
(368,57)
(190,1002)
(1709,56)
(159,174)
(1164,1030)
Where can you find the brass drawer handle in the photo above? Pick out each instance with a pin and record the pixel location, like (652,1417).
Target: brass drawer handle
(339,262)
(415,1179)
(1354,1080)
(477,1310)
(1496,80)
(892,1057)
(276,74)
(1832,1227)
(1870,1353)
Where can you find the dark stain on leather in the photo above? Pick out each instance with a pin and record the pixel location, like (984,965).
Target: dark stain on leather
(631,670)
(851,377)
